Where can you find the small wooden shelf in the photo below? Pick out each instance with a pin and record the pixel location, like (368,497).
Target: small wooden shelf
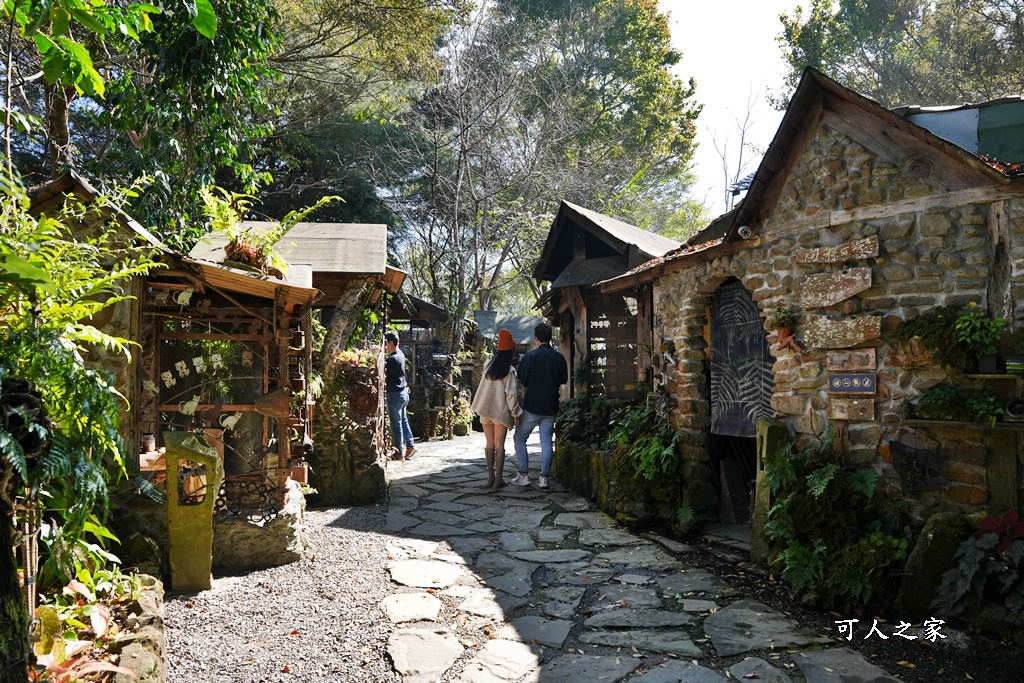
(952,424)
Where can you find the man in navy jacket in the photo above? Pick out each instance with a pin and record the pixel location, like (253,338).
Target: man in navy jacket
(542,371)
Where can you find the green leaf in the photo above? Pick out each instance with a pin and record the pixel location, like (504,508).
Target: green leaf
(88,20)
(60,20)
(37,21)
(14,268)
(25,123)
(48,626)
(54,66)
(43,42)
(205,20)
(88,80)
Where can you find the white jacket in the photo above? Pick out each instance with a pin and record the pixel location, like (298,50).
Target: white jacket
(498,399)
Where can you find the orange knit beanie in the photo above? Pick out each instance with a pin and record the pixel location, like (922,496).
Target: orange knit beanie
(505,341)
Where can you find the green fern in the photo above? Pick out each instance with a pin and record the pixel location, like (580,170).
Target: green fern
(818,480)
(862,481)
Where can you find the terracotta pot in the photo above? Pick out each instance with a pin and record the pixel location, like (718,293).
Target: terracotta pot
(300,473)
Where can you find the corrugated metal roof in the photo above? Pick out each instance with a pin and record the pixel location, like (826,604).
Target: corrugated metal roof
(521,326)
(589,271)
(351,248)
(647,241)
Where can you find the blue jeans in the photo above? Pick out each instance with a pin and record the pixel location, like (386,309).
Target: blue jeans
(401,432)
(527,421)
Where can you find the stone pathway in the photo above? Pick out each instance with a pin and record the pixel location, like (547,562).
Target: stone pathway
(524,584)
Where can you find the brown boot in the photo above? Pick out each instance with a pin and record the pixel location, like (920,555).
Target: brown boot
(489,456)
(499,466)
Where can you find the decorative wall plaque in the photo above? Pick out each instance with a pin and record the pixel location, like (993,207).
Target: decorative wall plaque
(851,361)
(841,333)
(852,409)
(853,383)
(828,289)
(850,251)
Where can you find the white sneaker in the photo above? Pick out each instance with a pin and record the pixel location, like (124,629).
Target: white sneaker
(543,483)
(521,480)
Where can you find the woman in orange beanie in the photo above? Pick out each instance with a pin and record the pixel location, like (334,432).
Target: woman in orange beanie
(497,404)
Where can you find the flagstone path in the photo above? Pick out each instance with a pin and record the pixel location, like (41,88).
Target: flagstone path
(524,584)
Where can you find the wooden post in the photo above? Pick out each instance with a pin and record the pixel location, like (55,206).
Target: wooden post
(644,334)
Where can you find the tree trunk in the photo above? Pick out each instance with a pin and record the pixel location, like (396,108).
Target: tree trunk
(14,621)
(343,323)
(58,99)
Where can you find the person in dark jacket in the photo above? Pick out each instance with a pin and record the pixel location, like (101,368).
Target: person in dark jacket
(542,371)
(397,397)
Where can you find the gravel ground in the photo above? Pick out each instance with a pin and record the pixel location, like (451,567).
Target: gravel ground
(318,619)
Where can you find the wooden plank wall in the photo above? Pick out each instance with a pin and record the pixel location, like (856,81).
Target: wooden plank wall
(612,346)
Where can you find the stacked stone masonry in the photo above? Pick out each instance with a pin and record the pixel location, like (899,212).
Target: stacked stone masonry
(940,256)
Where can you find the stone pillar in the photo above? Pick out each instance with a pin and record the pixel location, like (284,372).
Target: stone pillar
(771,434)
(190,527)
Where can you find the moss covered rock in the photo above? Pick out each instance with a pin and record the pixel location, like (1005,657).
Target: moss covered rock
(929,559)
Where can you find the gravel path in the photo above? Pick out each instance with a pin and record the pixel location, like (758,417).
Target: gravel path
(318,619)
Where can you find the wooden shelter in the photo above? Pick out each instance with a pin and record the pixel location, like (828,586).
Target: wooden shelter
(606,338)
(424,330)
(223,352)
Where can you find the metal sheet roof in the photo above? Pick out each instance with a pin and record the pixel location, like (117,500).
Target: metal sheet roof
(647,241)
(351,248)
(617,237)
(52,194)
(521,326)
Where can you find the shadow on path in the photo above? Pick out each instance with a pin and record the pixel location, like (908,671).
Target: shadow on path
(524,584)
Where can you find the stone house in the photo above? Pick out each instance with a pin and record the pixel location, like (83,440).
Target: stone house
(857,219)
(606,337)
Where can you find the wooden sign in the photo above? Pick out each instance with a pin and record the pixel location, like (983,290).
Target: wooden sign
(828,289)
(841,333)
(851,251)
(853,383)
(851,361)
(852,409)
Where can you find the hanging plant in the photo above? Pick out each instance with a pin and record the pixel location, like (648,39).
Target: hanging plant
(251,246)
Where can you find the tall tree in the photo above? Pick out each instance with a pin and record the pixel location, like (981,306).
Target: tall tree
(187,106)
(909,51)
(536,104)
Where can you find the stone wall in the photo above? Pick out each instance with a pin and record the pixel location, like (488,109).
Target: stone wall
(238,544)
(614,488)
(942,255)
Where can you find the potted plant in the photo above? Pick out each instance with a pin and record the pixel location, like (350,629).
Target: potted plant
(980,334)
(251,246)
(782,320)
(462,415)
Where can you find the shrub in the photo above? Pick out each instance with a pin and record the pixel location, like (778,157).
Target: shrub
(643,431)
(828,531)
(989,565)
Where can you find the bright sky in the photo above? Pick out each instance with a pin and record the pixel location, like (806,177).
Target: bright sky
(729,47)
